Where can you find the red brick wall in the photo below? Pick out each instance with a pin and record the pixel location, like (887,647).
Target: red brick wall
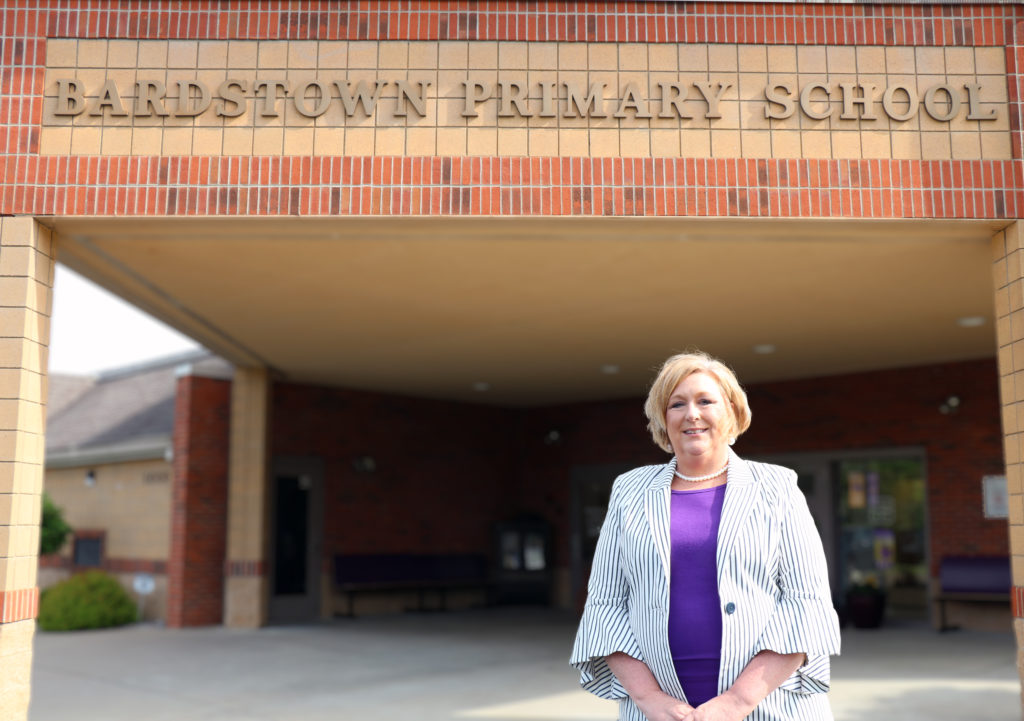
(589,433)
(195,569)
(445,471)
(900,407)
(880,409)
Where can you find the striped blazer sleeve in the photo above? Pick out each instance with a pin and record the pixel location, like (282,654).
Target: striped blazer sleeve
(803,620)
(605,626)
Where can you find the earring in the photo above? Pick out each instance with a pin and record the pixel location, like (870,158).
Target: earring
(732,441)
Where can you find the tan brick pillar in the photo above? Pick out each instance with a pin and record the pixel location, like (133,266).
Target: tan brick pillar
(26,278)
(1008,278)
(245,589)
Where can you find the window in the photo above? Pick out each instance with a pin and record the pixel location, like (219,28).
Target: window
(88,551)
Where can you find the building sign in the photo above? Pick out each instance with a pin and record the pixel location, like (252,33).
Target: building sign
(516,97)
(522,99)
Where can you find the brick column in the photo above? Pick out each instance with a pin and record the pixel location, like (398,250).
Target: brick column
(195,568)
(26,279)
(1008,278)
(245,600)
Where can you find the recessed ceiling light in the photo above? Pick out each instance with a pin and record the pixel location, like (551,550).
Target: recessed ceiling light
(764,349)
(481,386)
(609,369)
(971,321)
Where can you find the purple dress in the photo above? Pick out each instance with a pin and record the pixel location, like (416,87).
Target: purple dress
(694,616)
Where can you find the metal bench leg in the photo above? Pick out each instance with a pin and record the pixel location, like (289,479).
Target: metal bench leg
(943,625)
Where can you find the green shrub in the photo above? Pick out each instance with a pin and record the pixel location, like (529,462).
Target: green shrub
(53,529)
(87,600)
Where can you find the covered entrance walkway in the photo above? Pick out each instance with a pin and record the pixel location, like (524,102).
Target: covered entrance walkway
(456,330)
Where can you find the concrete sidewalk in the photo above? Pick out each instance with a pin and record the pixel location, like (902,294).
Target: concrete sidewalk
(503,664)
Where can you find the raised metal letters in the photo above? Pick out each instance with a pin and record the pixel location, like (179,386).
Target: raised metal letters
(406,97)
(364,96)
(591,104)
(231,91)
(189,106)
(631,98)
(931,102)
(861,94)
(672,97)
(109,98)
(322,99)
(888,102)
(805,101)
(149,98)
(974,104)
(785,102)
(515,98)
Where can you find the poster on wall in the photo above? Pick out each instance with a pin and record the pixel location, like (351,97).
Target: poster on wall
(857,491)
(885,548)
(995,495)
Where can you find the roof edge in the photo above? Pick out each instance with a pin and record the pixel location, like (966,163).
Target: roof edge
(148,449)
(176,359)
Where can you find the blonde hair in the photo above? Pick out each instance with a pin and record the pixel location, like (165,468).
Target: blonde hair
(681,366)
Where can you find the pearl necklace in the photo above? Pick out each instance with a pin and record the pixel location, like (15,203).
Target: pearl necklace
(701,479)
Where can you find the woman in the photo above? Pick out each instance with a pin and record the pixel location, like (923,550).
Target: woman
(708,599)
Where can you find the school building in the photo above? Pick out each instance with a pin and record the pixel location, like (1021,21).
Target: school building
(443,247)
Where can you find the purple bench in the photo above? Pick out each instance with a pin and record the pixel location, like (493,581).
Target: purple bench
(976,579)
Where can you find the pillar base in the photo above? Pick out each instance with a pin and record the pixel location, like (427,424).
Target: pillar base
(16,662)
(245,603)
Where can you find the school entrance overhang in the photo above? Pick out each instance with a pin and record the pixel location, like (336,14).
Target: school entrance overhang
(541,311)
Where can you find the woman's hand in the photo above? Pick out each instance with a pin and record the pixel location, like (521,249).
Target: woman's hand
(659,706)
(727,707)
(638,680)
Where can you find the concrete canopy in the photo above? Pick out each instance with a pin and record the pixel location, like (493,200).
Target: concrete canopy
(539,310)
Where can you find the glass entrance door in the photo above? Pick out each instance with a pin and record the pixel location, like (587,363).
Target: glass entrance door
(869,508)
(882,538)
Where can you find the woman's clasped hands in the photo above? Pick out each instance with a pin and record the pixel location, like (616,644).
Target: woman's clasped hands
(660,706)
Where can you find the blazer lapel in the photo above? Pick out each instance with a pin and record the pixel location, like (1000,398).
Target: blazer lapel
(657,500)
(740,494)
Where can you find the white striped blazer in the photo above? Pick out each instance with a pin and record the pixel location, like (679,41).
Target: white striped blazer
(772,582)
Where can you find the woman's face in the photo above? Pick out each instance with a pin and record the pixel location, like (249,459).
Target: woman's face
(699,419)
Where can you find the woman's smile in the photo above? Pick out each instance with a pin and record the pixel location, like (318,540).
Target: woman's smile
(699,421)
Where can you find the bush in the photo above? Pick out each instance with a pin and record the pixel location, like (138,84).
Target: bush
(53,529)
(87,600)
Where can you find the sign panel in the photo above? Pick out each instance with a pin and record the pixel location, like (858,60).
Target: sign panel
(126,97)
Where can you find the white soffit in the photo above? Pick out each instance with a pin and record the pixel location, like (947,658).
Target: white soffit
(534,308)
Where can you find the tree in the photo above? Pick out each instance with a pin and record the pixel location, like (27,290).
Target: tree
(53,529)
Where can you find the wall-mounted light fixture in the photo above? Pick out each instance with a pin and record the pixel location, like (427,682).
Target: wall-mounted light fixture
(950,405)
(90,478)
(971,321)
(364,464)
